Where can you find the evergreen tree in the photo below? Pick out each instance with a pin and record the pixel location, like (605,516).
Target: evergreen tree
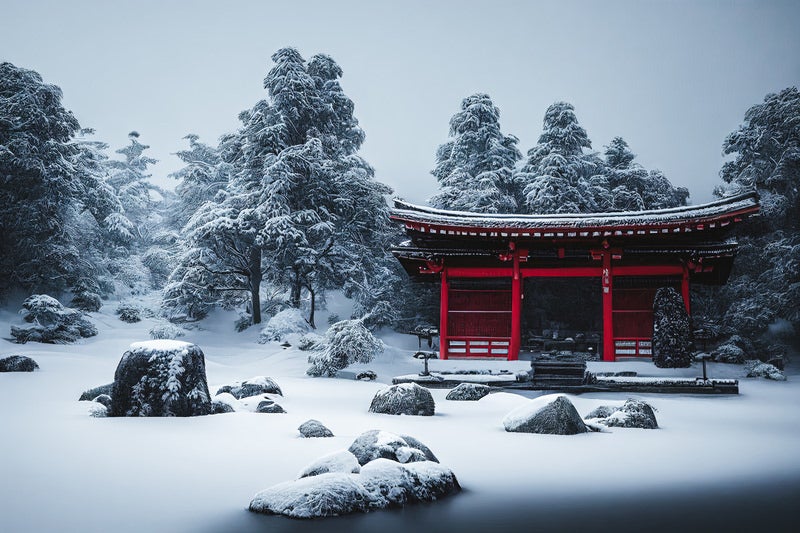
(47,183)
(765,283)
(298,194)
(557,176)
(474,167)
(204,175)
(672,340)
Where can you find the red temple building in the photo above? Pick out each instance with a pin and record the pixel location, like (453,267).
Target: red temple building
(481,262)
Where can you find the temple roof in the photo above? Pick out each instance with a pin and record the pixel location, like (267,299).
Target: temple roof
(719,213)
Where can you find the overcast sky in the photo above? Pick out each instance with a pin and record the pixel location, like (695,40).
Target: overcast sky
(673,78)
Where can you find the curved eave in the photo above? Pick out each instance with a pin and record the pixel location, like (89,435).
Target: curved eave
(713,215)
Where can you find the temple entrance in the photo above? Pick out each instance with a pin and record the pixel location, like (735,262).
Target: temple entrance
(562,314)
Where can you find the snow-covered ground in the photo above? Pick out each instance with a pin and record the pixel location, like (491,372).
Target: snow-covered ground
(726,460)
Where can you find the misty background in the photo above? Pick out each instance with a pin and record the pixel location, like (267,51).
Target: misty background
(673,78)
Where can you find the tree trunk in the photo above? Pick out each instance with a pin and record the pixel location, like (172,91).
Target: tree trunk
(313,305)
(297,287)
(255,283)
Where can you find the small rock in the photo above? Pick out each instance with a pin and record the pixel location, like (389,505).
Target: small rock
(313,429)
(367,375)
(268,406)
(632,414)
(219,408)
(18,363)
(403,399)
(375,444)
(468,392)
(252,387)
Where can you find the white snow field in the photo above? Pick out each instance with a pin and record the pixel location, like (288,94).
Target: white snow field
(716,462)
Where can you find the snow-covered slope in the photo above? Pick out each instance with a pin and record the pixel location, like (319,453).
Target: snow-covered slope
(61,470)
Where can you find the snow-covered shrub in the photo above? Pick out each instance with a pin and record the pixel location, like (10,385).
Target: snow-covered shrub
(51,322)
(729,353)
(333,318)
(86,301)
(161,378)
(130,275)
(632,414)
(757,369)
(672,341)
(91,394)
(166,330)
(287,322)
(346,342)
(129,313)
(310,341)
(18,363)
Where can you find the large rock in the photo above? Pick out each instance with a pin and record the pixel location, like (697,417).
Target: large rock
(380,484)
(548,415)
(314,429)
(468,392)
(403,399)
(18,363)
(376,444)
(252,387)
(50,322)
(632,414)
(161,378)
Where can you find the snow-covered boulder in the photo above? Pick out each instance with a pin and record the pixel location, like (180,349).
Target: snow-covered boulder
(757,369)
(252,387)
(380,484)
(18,363)
(551,415)
(50,322)
(601,411)
(268,406)
(375,444)
(91,394)
(469,392)
(161,378)
(342,462)
(310,341)
(366,375)
(403,399)
(632,414)
(97,410)
(287,322)
(314,429)
(345,343)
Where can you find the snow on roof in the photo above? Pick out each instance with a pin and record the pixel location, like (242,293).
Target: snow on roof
(743,204)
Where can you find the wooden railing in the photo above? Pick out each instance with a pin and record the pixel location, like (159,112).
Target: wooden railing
(633,347)
(478,346)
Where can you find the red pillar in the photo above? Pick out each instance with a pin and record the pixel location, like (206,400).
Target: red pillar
(443,308)
(516,310)
(608,314)
(687,301)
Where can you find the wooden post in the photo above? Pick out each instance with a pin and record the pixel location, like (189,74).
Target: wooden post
(516,310)
(687,300)
(608,308)
(443,309)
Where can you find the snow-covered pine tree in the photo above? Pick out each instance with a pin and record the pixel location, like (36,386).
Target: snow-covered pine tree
(298,194)
(672,334)
(632,187)
(48,188)
(474,167)
(204,174)
(764,287)
(557,176)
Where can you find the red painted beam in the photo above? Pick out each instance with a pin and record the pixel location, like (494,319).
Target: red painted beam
(516,310)
(443,310)
(607,280)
